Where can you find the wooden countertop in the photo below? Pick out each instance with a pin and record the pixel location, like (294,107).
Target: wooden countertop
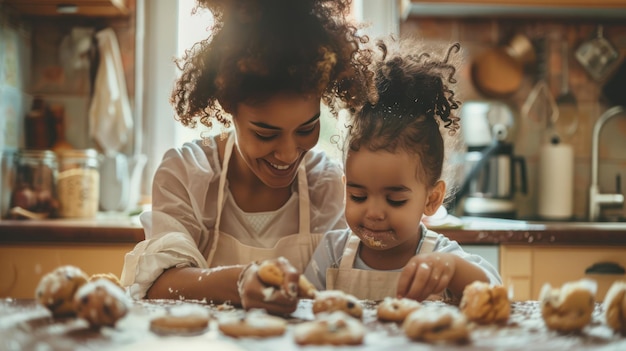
(475,231)
(25,325)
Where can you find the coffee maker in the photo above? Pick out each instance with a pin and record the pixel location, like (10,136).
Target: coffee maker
(491,170)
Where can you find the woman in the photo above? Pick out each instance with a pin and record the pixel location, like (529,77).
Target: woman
(259,192)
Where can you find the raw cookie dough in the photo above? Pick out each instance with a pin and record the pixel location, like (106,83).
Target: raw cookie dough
(568,309)
(271,274)
(110,276)
(437,324)
(337,300)
(181,320)
(333,328)
(615,307)
(101,303)
(485,304)
(393,309)
(56,289)
(254,323)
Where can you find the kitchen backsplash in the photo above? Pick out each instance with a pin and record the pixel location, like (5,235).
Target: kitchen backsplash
(478,35)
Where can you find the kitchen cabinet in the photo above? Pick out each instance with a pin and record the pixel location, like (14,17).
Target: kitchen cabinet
(24,265)
(541,3)
(525,269)
(86,8)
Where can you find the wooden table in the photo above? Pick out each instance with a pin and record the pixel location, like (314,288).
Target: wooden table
(24,325)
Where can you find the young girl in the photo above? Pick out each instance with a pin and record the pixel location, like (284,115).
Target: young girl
(260,192)
(393,169)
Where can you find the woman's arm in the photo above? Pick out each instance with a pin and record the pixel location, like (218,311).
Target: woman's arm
(216,285)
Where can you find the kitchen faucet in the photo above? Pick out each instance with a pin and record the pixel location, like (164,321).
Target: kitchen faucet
(595,197)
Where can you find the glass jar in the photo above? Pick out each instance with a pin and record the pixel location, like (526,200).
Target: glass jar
(7,180)
(78,183)
(34,187)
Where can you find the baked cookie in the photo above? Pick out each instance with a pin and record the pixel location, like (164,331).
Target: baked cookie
(569,308)
(393,309)
(254,323)
(181,320)
(270,274)
(110,276)
(330,328)
(485,304)
(436,324)
(56,289)
(615,307)
(101,303)
(337,300)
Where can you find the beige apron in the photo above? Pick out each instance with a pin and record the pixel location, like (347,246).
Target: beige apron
(297,248)
(367,284)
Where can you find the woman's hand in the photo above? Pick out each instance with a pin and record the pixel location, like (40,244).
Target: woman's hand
(255,293)
(426,274)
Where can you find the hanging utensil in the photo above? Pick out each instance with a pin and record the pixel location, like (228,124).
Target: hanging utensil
(540,105)
(566,101)
(597,55)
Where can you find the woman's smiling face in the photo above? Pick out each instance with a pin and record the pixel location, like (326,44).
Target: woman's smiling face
(274,136)
(385,200)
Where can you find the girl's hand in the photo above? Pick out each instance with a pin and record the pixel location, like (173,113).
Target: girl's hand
(426,274)
(254,293)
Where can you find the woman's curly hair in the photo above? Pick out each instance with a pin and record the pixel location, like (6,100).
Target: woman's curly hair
(258,48)
(411,102)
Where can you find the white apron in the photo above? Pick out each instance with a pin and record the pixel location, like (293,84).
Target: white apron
(297,248)
(367,284)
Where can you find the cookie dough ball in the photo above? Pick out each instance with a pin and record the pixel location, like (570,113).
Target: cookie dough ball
(336,300)
(270,273)
(437,324)
(393,309)
(56,289)
(182,320)
(333,328)
(569,308)
(101,303)
(110,276)
(254,323)
(615,307)
(485,304)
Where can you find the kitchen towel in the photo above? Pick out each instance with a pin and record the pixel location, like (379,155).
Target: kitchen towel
(556,181)
(110,117)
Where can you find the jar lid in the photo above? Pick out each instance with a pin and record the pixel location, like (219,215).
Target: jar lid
(78,153)
(35,153)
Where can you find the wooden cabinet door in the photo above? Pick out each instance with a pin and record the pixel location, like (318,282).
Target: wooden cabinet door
(24,265)
(526,269)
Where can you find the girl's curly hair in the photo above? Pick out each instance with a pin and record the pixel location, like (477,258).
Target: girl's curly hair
(411,99)
(258,48)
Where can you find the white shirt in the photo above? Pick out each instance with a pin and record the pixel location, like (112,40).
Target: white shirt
(184,211)
(330,252)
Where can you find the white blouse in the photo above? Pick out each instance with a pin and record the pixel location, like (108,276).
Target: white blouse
(184,208)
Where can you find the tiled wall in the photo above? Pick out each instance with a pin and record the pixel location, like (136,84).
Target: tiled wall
(477,35)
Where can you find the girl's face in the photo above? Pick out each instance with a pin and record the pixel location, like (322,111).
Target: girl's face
(274,136)
(385,200)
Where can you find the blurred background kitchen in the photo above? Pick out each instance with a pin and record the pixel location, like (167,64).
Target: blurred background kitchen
(535,78)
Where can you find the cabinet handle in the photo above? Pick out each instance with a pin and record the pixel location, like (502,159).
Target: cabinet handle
(605,268)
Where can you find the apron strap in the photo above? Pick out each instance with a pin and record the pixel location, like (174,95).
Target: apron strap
(349,252)
(304,202)
(428,244)
(220,195)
